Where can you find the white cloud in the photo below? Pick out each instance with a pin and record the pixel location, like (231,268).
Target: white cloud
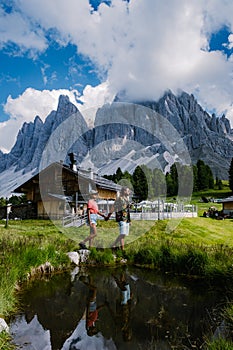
(145,47)
(230,40)
(25,108)
(92,99)
(16,29)
(34,102)
(96,96)
(148,46)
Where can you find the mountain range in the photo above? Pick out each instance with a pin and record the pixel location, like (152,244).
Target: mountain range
(103,143)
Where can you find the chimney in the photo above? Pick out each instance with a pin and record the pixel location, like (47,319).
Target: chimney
(73,165)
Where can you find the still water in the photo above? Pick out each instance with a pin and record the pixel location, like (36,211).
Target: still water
(109,309)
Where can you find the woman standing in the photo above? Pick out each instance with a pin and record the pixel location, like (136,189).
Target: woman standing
(92,214)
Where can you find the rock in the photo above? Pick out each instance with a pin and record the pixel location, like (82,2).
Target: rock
(74,273)
(3,326)
(74,257)
(84,255)
(45,268)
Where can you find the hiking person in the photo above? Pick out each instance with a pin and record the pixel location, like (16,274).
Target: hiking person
(92,215)
(121,208)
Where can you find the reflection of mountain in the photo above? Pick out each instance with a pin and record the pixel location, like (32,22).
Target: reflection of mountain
(161,308)
(206,137)
(58,304)
(79,340)
(30,335)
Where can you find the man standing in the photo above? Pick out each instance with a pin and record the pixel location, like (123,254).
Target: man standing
(121,207)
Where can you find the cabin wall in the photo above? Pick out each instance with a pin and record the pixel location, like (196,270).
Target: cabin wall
(50,209)
(228,208)
(106,194)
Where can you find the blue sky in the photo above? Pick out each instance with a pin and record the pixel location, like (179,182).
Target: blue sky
(89,50)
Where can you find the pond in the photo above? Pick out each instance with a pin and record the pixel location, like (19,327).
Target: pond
(116,308)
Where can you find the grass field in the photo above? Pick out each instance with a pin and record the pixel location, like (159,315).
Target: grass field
(200,231)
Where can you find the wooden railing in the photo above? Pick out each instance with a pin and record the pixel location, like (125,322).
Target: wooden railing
(74,220)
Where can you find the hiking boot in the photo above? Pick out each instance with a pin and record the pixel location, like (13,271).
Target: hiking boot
(82,246)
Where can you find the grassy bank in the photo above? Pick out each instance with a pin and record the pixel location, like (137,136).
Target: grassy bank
(25,245)
(197,246)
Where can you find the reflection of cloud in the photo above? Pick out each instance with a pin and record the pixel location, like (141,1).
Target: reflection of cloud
(30,336)
(81,341)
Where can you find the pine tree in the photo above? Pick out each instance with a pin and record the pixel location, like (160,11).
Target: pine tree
(158,183)
(210,177)
(174,176)
(119,175)
(218,183)
(230,172)
(140,184)
(202,174)
(169,183)
(195,178)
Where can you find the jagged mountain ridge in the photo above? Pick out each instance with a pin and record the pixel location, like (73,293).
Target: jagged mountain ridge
(206,137)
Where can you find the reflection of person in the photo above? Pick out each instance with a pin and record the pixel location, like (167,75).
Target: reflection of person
(92,310)
(121,207)
(92,213)
(122,315)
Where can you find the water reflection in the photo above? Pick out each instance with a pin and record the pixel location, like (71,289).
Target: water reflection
(122,307)
(92,310)
(114,309)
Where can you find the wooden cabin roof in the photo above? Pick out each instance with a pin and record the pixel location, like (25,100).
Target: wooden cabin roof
(84,174)
(227,200)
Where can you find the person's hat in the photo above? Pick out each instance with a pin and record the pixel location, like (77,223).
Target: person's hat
(93,192)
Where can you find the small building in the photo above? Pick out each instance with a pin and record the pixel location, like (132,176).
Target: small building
(227,205)
(59,190)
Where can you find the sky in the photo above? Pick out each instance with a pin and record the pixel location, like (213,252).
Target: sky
(91,50)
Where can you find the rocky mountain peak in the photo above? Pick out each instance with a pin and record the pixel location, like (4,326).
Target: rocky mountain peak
(207,137)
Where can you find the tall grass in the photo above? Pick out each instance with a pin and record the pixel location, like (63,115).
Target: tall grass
(219,344)
(5,341)
(212,263)
(24,246)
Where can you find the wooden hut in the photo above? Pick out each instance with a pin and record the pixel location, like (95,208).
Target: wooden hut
(59,190)
(227,206)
